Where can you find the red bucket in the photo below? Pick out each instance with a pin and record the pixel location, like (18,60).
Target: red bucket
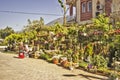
(21,55)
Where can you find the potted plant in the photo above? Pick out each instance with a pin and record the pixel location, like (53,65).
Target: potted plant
(113,76)
(65,63)
(55,59)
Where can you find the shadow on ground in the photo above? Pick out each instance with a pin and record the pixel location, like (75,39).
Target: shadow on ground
(69,75)
(85,76)
(15,57)
(88,77)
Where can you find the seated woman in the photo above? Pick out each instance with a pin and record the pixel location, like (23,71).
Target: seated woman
(26,50)
(21,47)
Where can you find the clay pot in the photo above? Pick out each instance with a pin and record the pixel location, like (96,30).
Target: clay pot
(55,61)
(64,63)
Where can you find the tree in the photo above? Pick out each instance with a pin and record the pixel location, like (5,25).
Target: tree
(63,6)
(6,32)
(34,25)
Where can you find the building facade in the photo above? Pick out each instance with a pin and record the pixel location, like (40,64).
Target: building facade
(88,9)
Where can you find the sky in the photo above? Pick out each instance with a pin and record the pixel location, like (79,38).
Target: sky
(17,21)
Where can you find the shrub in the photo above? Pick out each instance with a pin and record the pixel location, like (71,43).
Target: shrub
(45,56)
(83,64)
(99,61)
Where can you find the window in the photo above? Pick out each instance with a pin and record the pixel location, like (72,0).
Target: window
(83,7)
(89,6)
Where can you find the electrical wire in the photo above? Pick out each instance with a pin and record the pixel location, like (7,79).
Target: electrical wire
(30,13)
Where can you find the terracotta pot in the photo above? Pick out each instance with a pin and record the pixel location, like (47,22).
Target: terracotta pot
(64,63)
(55,61)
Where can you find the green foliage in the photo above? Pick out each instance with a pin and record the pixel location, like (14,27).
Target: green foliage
(83,64)
(83,28)
(102,23)
(6,32)
(58,28)
(89,49)
(72,31)
(117,26)
(45,56)
(34,25)
(75,58)
(13,38)
(99,60)
(113,76)
(117,39)
(30,35)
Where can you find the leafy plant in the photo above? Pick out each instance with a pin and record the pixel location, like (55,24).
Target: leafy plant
(113,76)
(89,49)
(45,56)
(102,23)
(83,64)
(99,61)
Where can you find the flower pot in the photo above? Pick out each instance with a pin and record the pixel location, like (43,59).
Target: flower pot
(55,61)
(21,55)
(65,63)
(71,67)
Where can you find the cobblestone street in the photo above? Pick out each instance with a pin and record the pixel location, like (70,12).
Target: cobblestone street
(12,68)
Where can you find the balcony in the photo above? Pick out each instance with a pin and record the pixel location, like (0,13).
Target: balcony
(68,2)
